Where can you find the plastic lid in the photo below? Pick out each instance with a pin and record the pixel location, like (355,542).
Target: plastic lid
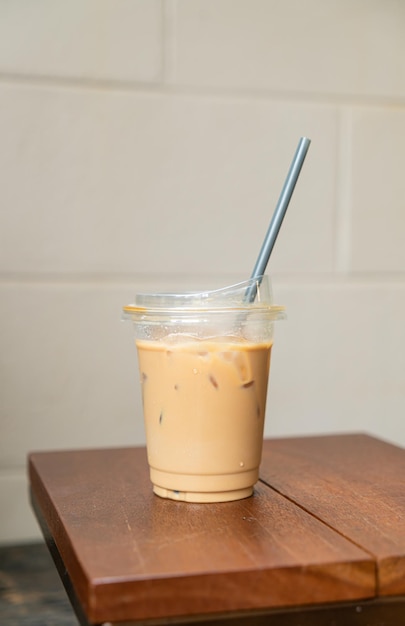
(232,297)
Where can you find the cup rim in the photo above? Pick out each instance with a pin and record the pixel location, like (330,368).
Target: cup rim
(230,298)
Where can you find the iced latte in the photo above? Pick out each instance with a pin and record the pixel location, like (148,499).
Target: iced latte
(204,379)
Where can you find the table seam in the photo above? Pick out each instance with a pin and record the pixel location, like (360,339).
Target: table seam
(349,539)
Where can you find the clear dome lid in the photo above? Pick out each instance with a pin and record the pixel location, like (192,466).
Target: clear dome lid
(254,293)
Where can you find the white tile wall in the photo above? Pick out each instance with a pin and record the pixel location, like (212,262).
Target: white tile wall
(96,40)
(338,362)
(17,521)
(144,144)
(378,190)
(201,170)
(323,49)
(70,379)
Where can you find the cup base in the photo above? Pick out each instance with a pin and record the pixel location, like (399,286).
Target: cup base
(186,487)
(201,496)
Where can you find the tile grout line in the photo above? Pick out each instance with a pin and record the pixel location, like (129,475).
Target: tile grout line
(170,88)
(332,281)
(169,23)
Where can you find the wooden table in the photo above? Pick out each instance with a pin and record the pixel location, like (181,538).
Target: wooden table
(321,541)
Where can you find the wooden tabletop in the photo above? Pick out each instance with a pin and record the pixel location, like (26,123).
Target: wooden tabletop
(326,524)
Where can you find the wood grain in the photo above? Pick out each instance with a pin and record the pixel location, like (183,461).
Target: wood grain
(31,594)
(355,484)
(131,555)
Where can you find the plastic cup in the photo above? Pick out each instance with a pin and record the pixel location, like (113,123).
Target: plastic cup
(204,362)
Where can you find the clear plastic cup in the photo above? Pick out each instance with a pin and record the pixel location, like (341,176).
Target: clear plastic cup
(204,362)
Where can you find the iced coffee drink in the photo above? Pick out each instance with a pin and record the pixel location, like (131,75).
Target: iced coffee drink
(204,402)
(204,376)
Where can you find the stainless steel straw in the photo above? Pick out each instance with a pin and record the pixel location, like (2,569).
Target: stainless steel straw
(278,217)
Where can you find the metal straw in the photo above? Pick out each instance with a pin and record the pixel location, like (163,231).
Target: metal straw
(278,217)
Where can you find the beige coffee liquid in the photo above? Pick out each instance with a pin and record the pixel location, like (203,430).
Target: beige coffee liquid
(204,405)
